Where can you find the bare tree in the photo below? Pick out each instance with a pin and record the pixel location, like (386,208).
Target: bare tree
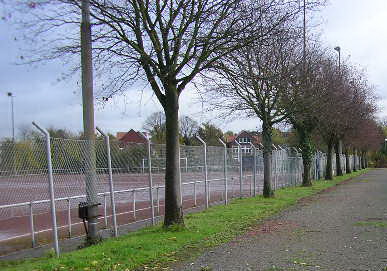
(251,81)
(188,129)
(167,43)
(155,120)
(154,125)
(210,134)
(305,98)
(348,101)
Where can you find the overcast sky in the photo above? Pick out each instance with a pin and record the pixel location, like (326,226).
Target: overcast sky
(357,26)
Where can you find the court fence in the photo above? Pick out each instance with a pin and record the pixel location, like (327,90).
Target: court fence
(53,176)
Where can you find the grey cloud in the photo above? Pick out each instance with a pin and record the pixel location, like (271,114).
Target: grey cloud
(358,26)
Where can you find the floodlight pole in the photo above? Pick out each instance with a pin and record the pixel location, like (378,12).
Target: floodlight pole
(338,49)
(11,96)
(88,124)
(304,38)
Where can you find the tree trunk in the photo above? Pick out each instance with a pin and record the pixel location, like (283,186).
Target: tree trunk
(267,156)
(354,160)
(347,165)
(328,173)
(364,159)
(360,160)
(339,171)
(173,205)
(306,151)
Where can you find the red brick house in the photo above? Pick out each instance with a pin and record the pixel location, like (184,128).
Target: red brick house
(131,137)
(244,138)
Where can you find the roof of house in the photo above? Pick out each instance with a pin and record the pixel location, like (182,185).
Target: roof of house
(131,137)
(120,135)
(256,137)
(230,138)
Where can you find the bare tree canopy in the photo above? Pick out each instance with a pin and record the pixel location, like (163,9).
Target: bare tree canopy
(188,129)
(165,43)
(154,125)
(251,82)
(151,40)
(210,134)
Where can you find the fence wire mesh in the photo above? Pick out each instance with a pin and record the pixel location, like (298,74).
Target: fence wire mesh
(79,176)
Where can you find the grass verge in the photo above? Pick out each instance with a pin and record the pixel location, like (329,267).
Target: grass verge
(378,224)
(154,248)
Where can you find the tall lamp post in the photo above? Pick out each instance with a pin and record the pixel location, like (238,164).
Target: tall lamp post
(88,124)
(9,94)
(338,49)
(340,147)
(304,38)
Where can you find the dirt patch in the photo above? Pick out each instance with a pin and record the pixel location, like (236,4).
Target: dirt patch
(317,196)
(271,226)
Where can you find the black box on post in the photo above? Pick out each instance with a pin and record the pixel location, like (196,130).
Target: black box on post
(82,210)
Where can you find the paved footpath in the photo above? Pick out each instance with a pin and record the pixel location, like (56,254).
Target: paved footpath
(344,228)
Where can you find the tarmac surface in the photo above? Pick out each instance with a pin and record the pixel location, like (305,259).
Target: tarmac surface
(344,228)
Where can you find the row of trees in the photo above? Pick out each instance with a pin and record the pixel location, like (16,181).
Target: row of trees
(307,87)
(155,126)
(249,54)
(313,92)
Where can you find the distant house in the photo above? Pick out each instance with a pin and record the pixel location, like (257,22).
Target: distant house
(244,138)
(131,137)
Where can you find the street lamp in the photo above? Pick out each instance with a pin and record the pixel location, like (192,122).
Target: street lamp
(9,94)
(338,49)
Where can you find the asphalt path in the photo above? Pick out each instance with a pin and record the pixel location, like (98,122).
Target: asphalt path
(344,228)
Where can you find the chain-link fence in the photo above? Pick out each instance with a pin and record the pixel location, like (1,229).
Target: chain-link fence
(134,173)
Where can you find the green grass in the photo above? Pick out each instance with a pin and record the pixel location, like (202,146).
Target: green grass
(154,247)
(378,224)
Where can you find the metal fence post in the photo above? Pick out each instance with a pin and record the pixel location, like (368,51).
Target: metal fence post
(254,169)
(209,190)
(158,199)
(143,166)
(180,182)
(105,210)
(69,216)
(32,225)
(205,170)
(280,166)
(275,167)
(294,166)
(111,184)
(225,171)
(186,164)
(134,204)
(240,168)
(51,187)
(150,178)
(195,203)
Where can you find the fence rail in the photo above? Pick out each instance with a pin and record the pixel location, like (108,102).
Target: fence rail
(129,182)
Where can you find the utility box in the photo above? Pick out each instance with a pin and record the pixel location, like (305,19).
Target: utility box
(83,210)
